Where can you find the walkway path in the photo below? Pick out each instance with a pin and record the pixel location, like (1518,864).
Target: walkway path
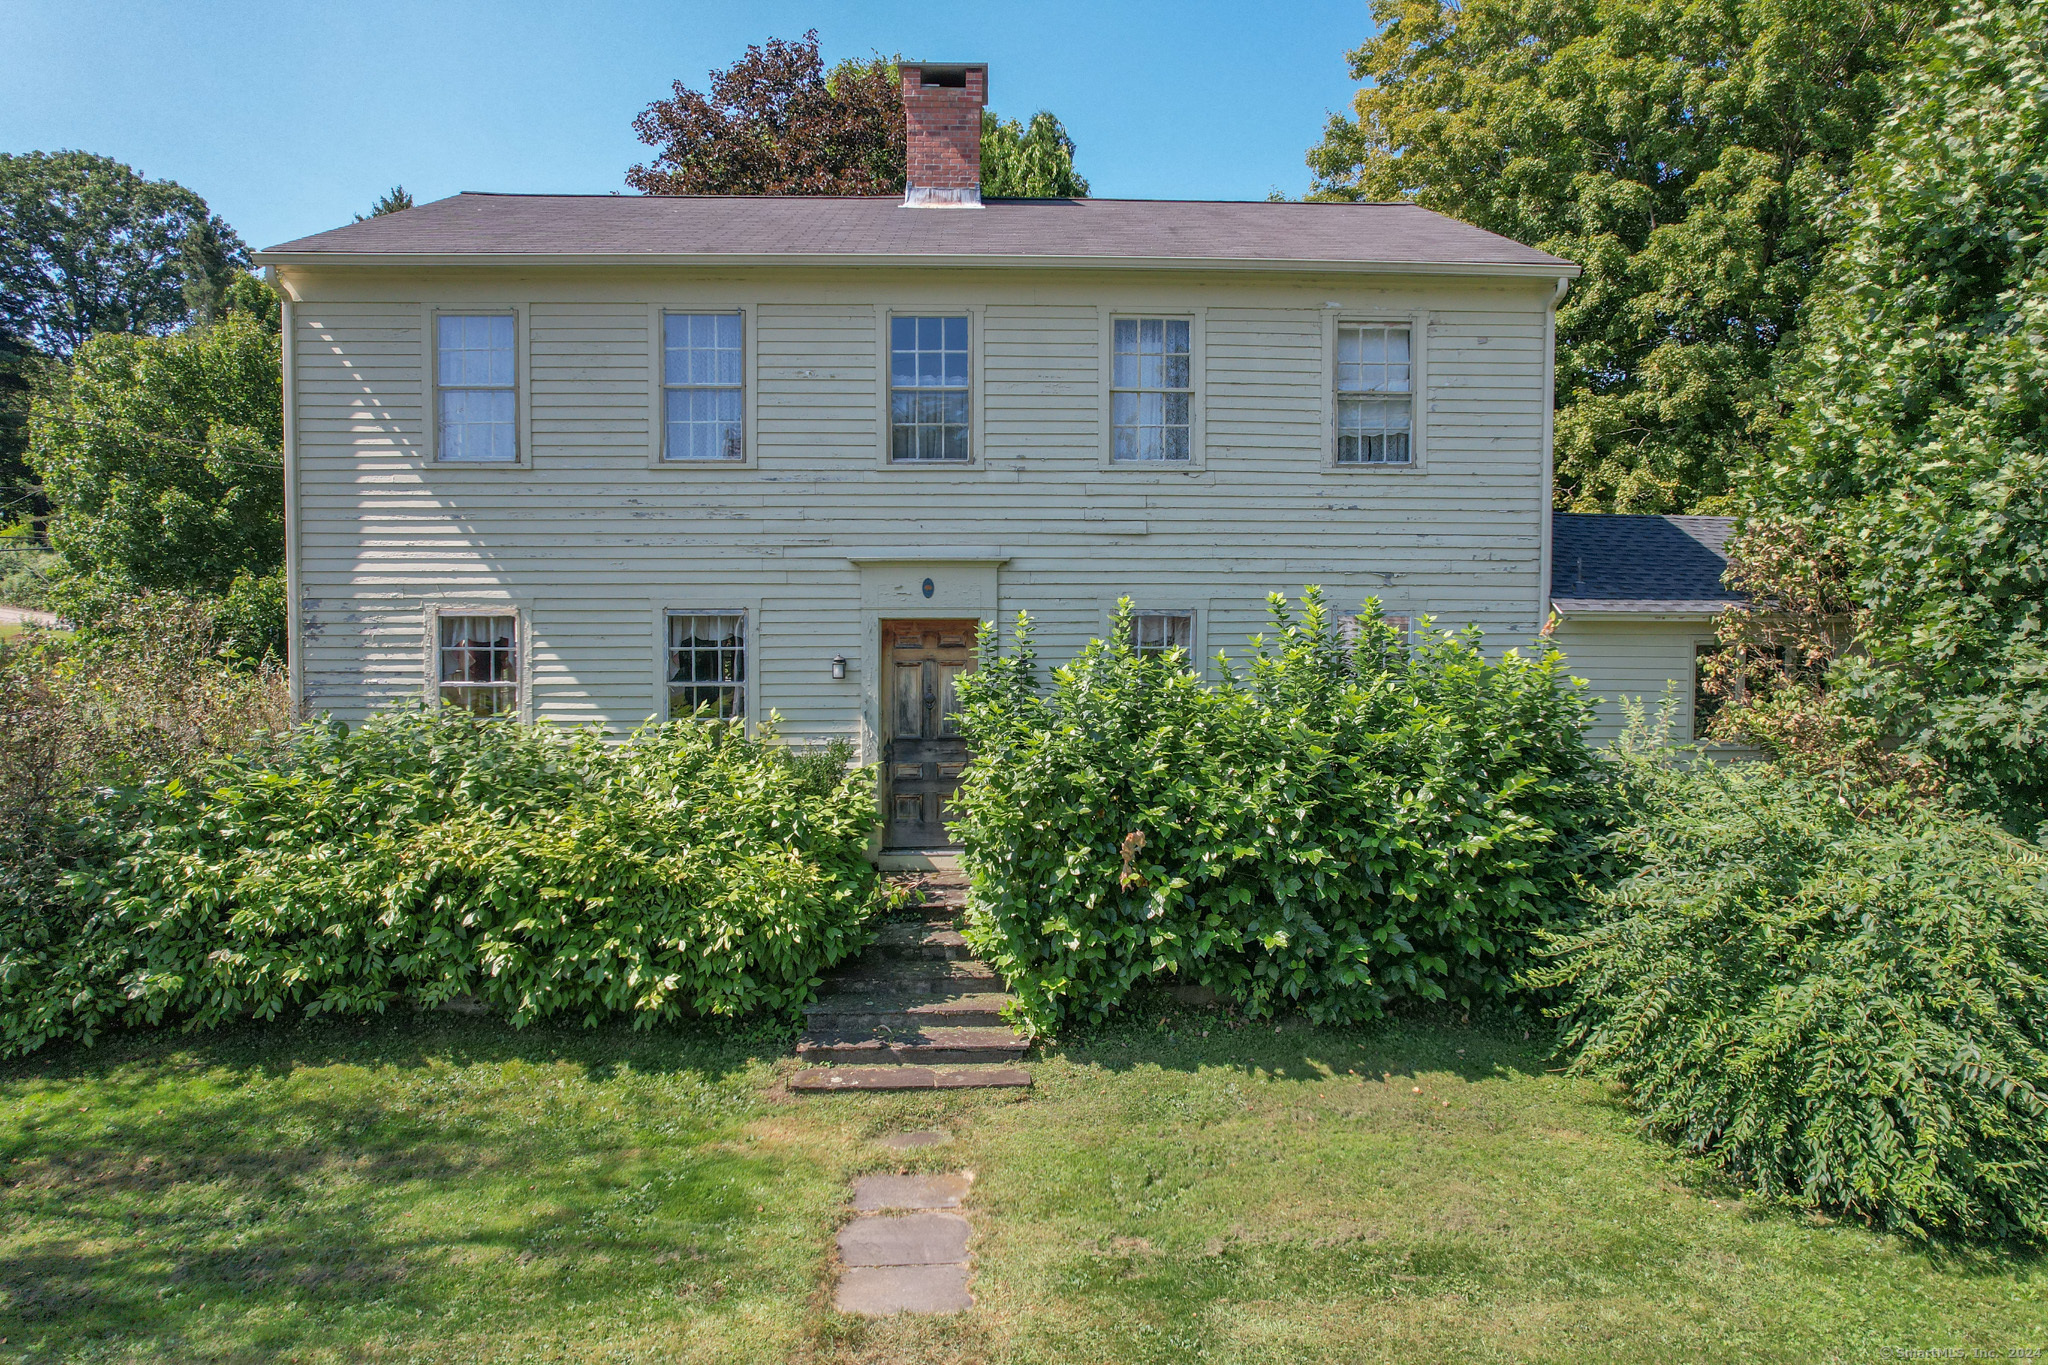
(906,1250)
(28,616)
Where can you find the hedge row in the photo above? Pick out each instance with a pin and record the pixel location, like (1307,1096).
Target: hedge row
(1342,826)
(691,870)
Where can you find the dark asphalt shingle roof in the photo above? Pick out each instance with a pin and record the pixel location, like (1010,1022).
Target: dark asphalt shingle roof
(1638,564)
(618,225)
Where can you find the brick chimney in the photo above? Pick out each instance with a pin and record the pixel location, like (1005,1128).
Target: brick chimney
(942,103)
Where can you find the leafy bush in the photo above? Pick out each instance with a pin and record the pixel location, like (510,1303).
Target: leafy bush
(1340,828)
(689,870)
(1839,999)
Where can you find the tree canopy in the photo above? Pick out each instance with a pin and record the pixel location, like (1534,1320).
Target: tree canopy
(779,122)
(160,458)
(88,246)
(1908,501)
(395,200)
(1685,152)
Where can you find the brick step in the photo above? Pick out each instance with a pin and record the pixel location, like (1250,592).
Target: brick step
(921,938)
(859,1013)
(875,974)
(827,1080)
(930,1046)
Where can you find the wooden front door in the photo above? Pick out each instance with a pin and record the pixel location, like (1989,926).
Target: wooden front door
(923,752)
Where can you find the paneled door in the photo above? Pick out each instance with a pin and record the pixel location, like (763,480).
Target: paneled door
(923,752)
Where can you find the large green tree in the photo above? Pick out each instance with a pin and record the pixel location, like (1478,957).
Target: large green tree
(1907,508)
(87,245)
(160,459)
(779,122)
(1685,152)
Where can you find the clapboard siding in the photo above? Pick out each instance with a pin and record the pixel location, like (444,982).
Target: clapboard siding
(1640,661)
(591,538)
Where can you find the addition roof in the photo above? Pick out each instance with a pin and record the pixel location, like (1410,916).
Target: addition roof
(1650,565)
(878,230)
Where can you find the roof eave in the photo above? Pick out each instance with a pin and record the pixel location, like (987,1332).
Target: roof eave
(878,260)
(1648,610)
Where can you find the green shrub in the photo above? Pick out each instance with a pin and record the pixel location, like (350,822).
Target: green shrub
(690,870)
(1839,999)
(1338,829)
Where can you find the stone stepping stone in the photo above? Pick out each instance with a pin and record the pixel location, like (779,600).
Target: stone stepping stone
(903,1142)
(913,1262)
(905,1239)
(878,1291)
(873,1193)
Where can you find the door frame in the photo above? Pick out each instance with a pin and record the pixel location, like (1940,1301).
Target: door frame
(964,586)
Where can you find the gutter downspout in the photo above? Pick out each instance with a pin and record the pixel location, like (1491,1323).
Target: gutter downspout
(295,663)
(1545,492)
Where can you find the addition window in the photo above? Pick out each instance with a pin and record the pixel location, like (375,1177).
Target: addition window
(1706,703)
(1375,395)
(476,388)
(1151,389)
(1156,633)
(928,389)
(1354,626)
(707,664)
(704,389)
(479,664)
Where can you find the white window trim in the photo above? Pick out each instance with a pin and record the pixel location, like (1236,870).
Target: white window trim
(1417,324)
(522,357)
(976,455)
(1196,607)
(750,611)
(657,409)
(522,649)
(1198,366)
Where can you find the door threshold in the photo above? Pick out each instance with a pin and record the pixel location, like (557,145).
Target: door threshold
(945,859)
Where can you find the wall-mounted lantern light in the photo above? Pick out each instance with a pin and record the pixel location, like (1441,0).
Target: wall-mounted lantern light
(838,666)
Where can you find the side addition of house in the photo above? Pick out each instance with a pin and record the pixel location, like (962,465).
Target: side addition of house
(607,458)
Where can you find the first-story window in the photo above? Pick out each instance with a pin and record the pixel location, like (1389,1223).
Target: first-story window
(1375,395)
(928,389)
(1354,626)
(1706,702)
(1156,633)
(479,664)
(707,664)
(703,386)
(476,388)
(1151,389)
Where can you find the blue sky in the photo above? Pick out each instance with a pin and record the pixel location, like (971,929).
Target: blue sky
(290,116)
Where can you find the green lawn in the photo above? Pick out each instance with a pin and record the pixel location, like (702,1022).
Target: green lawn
(445,1189)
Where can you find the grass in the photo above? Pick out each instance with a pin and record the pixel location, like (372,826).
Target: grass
(445,1189)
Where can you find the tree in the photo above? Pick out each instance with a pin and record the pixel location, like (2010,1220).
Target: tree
(778,122)
(89,246)
(396,200)
(1035,162)
(1910,493)
(1684,152)
(160,459)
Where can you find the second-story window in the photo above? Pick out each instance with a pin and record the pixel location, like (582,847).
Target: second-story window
(1151,389)
(704,388)
(476,369)
(928,389)
(1375,395)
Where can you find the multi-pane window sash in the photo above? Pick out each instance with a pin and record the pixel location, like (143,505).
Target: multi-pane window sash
(928,389)
(479,664)
(707,664)
(1151,389)
(704,389)
(1375,395)
(1157,632)
(476,388)
(1354,626)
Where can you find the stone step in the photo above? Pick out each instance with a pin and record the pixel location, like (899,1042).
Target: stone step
(853,1013)
(928,938)
(827,1080)
(929,1046)
(876,974)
